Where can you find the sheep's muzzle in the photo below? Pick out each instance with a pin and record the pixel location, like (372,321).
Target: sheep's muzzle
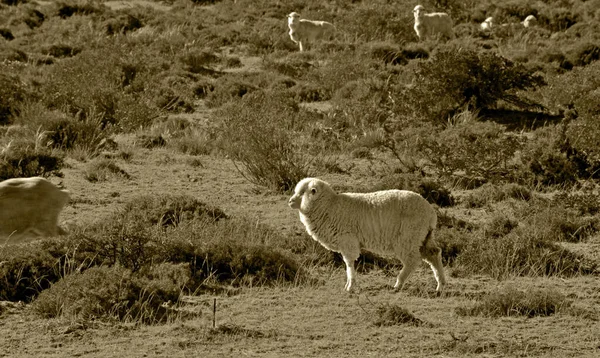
(294,202)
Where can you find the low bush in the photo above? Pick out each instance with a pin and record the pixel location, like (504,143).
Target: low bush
(584,54)
(13,92)
(454,78)
(66,132)
(519,252)
(228,89)
(150,141)
(6,34)
(585,203)
(491,193)
(168,210)
(103,169)
(70,8)
(61,50)
(108,293)
(27,157)
(473,150)
(391,315)
(556,223)
(509,302)
(258,133)
(122,24)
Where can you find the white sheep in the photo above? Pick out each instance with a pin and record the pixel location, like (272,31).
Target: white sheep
(487,24)
(429,24)
(303,31)
(530,21)
(396,223)
(30,207)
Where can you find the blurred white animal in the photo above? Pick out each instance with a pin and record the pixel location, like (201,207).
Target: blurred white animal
(487,24)
(303,31)
(530,21)
(396,223)
(29,207)
(437,23)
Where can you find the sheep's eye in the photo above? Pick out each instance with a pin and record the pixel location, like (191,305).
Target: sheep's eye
(313,191)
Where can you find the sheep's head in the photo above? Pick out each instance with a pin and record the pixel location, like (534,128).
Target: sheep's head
(529,21)
(309,191)
(293,17)
(419,10)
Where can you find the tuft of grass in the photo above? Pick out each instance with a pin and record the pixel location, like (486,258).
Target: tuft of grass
(103,169)
(508,301)
(393,315)
(490,193)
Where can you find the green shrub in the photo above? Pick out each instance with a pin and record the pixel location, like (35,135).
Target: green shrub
(27,154)
(67,88)
(228,89)
(33,18)
(521,252)
(391,315)
(453,78)
(557,18)
(6,34)
(584,54)
(12,93)
(69,133)
(308,92)
(150,141)
(550,159)
(199,62)
(499,226)
(490,193)
(555,223)
(26,271)
(257,133)
(585,203)
(122,24)
(229,261)
(294,66)
(108,293)
(474,150)
(102,169)
(509,302)
(71,8)
(168,210)
(60,50)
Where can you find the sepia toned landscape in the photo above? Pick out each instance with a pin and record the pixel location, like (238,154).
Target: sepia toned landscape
(180,129)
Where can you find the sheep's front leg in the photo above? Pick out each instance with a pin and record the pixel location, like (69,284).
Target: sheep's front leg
(301,47)
(350,253)
(350,273)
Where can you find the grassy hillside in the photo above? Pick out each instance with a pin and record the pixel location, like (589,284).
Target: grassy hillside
(181,127)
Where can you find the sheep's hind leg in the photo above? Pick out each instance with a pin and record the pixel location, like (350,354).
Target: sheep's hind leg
(410,265)
(433,257)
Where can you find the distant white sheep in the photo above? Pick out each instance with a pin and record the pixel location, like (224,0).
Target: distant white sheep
(29,207)
(430,24)
(396,223)
(530,21)
(487,24)
(303,31)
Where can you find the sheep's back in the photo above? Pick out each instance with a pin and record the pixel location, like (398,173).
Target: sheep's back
(388,206)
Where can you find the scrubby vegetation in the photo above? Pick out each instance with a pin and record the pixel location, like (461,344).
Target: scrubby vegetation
(498,130)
